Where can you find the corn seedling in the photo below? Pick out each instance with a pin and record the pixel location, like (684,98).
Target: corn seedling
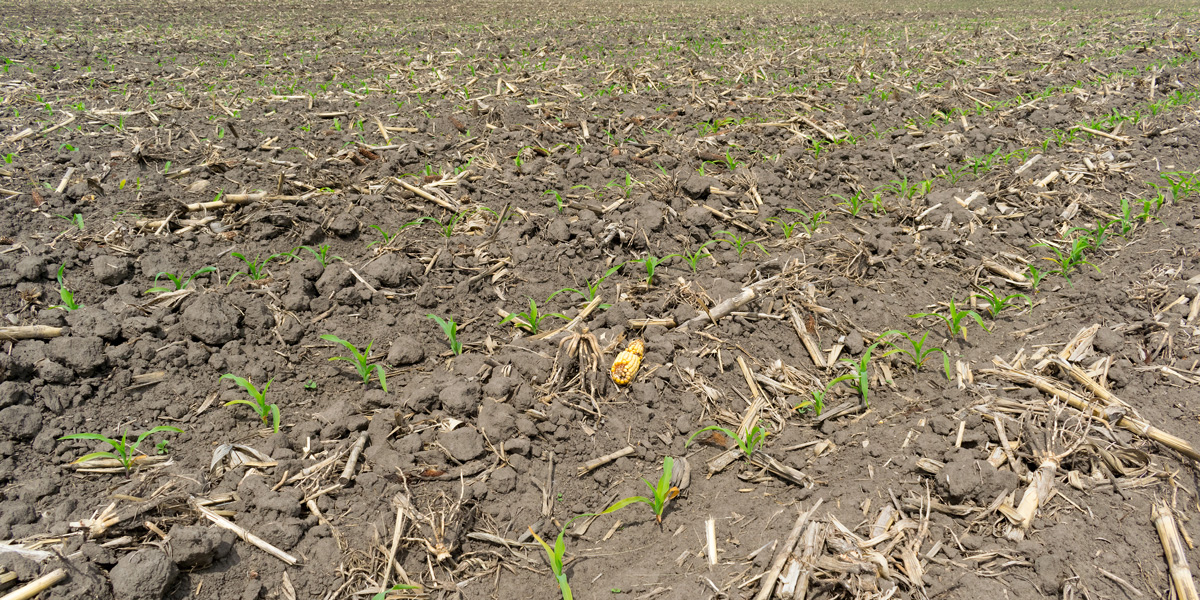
(1036,276)
(1125,220)
(531,319)
(812,221)
(257,401)
(652,263)
(1068,261)
(917,350)
(399,587)
(450,328)
(65,295)
(853,204)
(661,493)
(694,257)
(739,243)
(123,451)
(954,319)
(320,253)
(558,199)
(860,375)
(817,403)
(593,287)
(179,282)
(754,437)
(555,555)
(256,268)
(784,225)
(446,228)
(360,360)
(997,303)
(75,219)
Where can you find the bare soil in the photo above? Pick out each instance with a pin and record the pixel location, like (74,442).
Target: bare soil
(463,161)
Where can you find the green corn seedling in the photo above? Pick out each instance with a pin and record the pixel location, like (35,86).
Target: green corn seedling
(179,282)
(954,319)
(360,360)
(450,328)
(258,400)
(123,451)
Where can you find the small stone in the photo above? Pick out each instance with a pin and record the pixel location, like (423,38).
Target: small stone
(697,185)
(497,420)
(21,422)
(195,547)
(854,342)
(210,320)
(344,225)
(146,574)
(32,268)
(112,270)
(463,443)
(405,350)
(461,399)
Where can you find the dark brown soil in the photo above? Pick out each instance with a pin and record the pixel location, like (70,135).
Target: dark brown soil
(463,163)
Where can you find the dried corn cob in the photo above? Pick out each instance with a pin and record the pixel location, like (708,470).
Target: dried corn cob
(627,363)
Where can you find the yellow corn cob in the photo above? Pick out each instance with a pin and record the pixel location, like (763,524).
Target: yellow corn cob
(627,362)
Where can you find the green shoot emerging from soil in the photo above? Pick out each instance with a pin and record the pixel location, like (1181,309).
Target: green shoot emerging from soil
(256,269)
(179,282)
(450,328)
(321,253)
(754,438)
(660,493)
(257,401)
(694,257)
(360,360)
(954,319)
(998,303)
(739,243)
(530,320)
(123,451)
(859,375)
(593,287)
(652,263)
(399,587)
(916,349)
(65,295)
(556,553)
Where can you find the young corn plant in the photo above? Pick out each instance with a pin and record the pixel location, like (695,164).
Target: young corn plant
(556,553)
(859,376)
(811,221)
(739,243)
(321,253)
(530,320)
(748,444)
(179,282)
(997,303)
(661,493)
(360,360)
(955,319)
(693,258)
(258,400)
(1075,255)
(853,204)
(917,349)
(450,328)
(652,263)
(588,293)
(817,403)
(256,268)
(1036,276)
(123,451)
(64,294)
